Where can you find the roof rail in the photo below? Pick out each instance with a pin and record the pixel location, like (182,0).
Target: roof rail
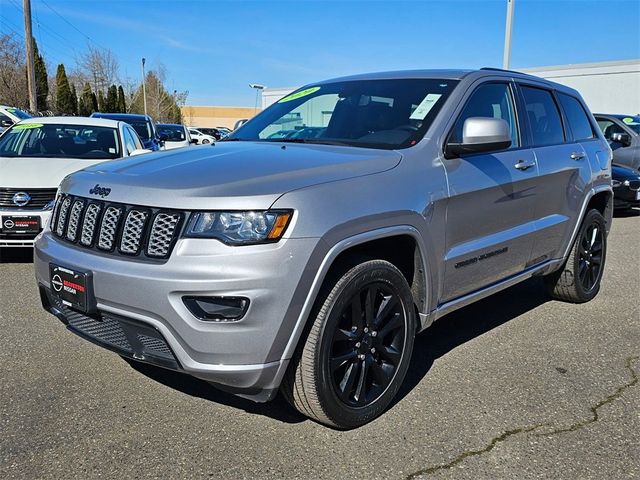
(502,70)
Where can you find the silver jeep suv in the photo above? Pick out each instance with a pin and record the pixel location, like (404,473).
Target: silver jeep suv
(307,263)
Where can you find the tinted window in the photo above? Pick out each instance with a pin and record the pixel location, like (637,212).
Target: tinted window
(544,117)
(492,100)
(576,116)
(609,128)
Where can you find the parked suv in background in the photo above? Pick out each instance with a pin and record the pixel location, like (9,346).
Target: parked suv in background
(142,124)
(308,264)
(11,115)
(623,134)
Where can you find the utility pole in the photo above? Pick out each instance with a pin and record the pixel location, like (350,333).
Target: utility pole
(506,58)
(144,88)
(31,72)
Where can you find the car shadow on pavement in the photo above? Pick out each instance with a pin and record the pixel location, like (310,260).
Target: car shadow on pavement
(16,255)
(277,409)
(461,326)
(445,335)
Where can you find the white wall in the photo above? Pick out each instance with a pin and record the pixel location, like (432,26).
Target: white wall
(607,87)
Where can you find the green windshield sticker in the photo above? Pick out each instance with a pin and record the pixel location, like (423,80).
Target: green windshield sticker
(300,94)
(27,126)
(628,120)
(11,110)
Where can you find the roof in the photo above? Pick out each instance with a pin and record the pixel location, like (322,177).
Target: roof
(121,116)
(402,74)
(95,122)
(169,125)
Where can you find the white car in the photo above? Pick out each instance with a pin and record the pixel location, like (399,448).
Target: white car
(176,136)
(36,154)
(11,115)
(201,138)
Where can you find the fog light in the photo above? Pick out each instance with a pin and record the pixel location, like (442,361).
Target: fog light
(217,309)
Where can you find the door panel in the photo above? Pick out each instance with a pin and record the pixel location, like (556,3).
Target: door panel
(490,223)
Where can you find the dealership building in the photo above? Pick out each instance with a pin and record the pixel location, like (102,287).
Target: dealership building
(607,87)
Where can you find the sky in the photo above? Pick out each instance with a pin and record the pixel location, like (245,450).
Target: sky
(214,49)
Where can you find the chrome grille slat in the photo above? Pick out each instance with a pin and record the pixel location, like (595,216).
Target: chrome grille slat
(74,220)
(89,224)
(132,231)
(162,234)
(62,216)
(118,229)
(109,228)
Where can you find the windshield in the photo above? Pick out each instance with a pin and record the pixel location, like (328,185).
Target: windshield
(632,122)
(22,115)
(142,128)
(174,133)
(60,141)
(364,113)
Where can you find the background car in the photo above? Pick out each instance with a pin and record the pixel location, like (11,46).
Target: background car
(142,124)
(11,115)
(214,132)
(623,134)
(177,135)
(626,187)
(201,137)
(224,131)
(36,154)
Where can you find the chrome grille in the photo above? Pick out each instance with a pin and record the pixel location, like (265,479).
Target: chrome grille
(634,185)
(132,231)
(162,234)
(74,220)
(109,228)
(141,231)
(89,224)
(40,197)
(62,216)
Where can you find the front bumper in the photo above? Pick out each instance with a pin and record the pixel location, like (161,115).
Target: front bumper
(245,355)
(624,197)
(22,240)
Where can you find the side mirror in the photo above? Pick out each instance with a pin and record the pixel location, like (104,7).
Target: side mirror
(622,138)
(6,123)
(481,134)
(163,137)
(139,151)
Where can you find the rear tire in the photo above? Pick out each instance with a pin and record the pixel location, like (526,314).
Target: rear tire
(578,280)
(356,355)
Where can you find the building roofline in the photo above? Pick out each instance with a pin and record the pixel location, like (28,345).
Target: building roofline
(571,66)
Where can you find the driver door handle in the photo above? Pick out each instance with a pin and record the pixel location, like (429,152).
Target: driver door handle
(522,165)
(577,156)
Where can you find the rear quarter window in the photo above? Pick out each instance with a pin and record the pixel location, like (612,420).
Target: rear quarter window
(579,123)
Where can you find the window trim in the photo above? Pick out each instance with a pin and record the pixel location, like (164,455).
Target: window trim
(551,91)
(516,110)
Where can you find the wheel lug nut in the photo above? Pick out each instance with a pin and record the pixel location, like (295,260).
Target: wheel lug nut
(373,350)
(361,356)
(358,345)
(374,334)
(366,330)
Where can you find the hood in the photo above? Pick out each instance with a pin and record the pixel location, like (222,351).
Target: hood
(39,172)
(228,175)
(619,172)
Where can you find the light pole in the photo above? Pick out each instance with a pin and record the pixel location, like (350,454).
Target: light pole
(144,88)
(506,58)
(258,89)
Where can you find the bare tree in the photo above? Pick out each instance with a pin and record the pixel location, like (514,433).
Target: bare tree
(13,80)
(99,67)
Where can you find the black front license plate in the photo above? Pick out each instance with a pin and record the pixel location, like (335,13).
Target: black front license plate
(73,288)
(20,224)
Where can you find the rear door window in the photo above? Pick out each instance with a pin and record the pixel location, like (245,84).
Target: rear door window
(576,117)
(544,116)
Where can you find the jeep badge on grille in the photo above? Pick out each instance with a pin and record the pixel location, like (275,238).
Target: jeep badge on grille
(98,190)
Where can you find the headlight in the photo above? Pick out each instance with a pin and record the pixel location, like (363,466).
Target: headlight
(239,228)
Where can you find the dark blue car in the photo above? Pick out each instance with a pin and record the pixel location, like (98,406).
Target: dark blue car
(142,124)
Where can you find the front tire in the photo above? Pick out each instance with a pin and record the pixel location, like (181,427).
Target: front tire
(578,280)
(358,350)
(205,141)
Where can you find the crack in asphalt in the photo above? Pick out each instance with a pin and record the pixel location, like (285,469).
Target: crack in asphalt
(509,433)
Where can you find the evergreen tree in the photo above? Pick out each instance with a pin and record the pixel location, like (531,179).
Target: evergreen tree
(94,103)
(74,98)
(111,102)
(122,104)
(101,101)
(85,102)
(42,81)
(64,100)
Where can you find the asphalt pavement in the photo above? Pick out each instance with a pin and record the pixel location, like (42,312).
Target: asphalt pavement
(515,386)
